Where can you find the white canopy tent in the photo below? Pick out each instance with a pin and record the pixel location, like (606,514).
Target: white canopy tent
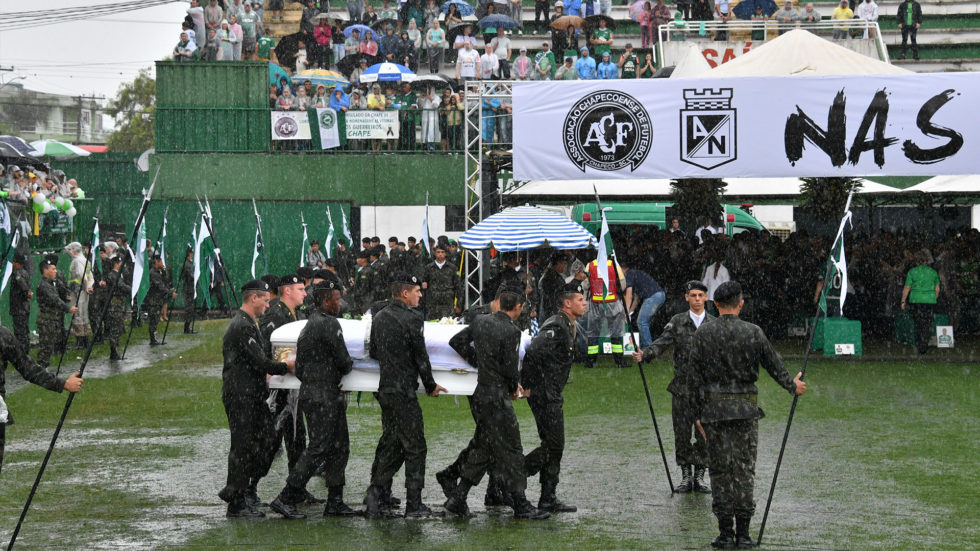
(949,184)
(800,52)
(691,64)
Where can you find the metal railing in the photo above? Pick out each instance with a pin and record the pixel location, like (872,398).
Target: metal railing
(767,29)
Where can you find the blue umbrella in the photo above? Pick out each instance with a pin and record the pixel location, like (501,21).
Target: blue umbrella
(527,227)
(497,21)
(18,146)
(276,73)
(746,8)
(462,7)
(387,72)
(361,28)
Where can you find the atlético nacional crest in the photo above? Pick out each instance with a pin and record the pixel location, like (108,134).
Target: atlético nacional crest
(708,133)
(607,130)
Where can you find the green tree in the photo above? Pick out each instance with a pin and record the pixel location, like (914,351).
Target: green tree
(824,198)
(696,199)
(132,110)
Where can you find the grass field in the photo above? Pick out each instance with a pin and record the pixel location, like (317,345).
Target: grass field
(883,455)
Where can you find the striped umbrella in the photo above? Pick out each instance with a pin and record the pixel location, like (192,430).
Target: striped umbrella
(387,72)
(54,148)
(527,227)
(318,77)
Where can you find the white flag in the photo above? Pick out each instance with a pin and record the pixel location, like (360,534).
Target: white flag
(326,118)
(329,245)
(8,269)
(163,241)
(345,229)
(202,235)
(602,260)
(255,252)
(139,258)
(425,227)
(302,249)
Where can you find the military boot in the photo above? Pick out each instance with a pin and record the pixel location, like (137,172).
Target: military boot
(239,509)
(687,482)
(252,496)
(375,504)
(392,501)
(523,508)
(414,508)
(287,510)
(726,535)
(742,538)
(113,354)
(496,496)
(153,339)
(699,484)
(447,481)
(456,504)
(336,506)
(549,502)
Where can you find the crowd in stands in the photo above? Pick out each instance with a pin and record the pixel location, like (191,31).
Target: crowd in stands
(23,186)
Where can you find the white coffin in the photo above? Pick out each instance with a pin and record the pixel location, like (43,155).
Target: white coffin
(448,368)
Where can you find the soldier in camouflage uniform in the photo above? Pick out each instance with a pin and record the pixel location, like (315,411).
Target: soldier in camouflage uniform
(52,306)
(13,353)
(321,361)
(547,364)
(679,332)
(157,296)
(492,344)
(187,292)
(728,353)
(363,293)
(119,296)
(442,287)
(398,345)
(20,301)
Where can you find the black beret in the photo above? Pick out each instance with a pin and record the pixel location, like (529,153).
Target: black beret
(322,274)
(374,251)
(314,242)
(328,284)
(727,292)
(20,258)
(305,272)
(114,259)
(440,246)
(332,262)
(403,277)
(289,279)
(272,280)
(695,285)
(255,285)
(51,257)
(364,254)
(157,257)
(44,265)
(573,287)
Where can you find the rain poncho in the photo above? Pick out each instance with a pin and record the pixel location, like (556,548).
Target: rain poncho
(184,47)
(228,41)
(338,103)
(429,104)
(237,46)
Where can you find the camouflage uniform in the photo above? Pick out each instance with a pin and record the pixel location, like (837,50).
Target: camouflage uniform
(289,421)
(547,363)
(679,332)
(20,306)
(492,344)
(243,393)
(363,291)
(12,352)
(728,353)
(398,345)
(50,319)
(159,293)
(321,361)
(444,286)
(118,306)
(187,292)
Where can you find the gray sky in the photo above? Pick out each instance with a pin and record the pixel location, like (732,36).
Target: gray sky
(87,56)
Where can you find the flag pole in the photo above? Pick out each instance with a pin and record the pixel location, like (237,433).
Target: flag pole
(166,326)
(831,270)
(81,288)
(81,371)
(139,221)
(206,219)
(258,226)
(633,329)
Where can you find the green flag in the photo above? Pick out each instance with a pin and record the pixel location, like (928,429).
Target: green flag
(329,244)
(141,276)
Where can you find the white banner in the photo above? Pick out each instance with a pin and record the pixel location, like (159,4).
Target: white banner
(326,118)
(290,125)
(818,126)
(372,125)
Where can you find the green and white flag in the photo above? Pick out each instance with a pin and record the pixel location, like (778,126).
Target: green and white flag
(425,229)
(161,246)
(602,258)
(256,251)
(328,126)
(259,249)
(302,248)
(329,243)
(9,260)
(203,251)
(837,265)
(96,261)
(344,229)
(141,276)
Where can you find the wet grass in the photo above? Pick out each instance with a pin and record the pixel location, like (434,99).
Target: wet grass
(882,456)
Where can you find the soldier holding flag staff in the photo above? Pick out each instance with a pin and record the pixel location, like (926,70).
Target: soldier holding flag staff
(243,392)
(160,292)
(729,352)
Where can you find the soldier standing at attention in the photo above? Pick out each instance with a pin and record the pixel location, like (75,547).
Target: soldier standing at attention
(551,283)
(492,344)
(243,393)
(157,296)
(51,310)
(321,361)
(12,352)
(679,332)
(442,286)
(187,290)
(546,366)
(399,346)
(119,295)
(728,353)
(20,301)
(363,280)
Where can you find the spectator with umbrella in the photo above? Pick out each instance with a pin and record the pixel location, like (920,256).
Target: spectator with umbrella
(321,99)
(561,26)
(369,17)
(431,12)
(489,23)
(455,12)
(338,42)
(322,36)
(362,66)
(368,46)
(352,44)
(428,102)
(434,39)
(501,48)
